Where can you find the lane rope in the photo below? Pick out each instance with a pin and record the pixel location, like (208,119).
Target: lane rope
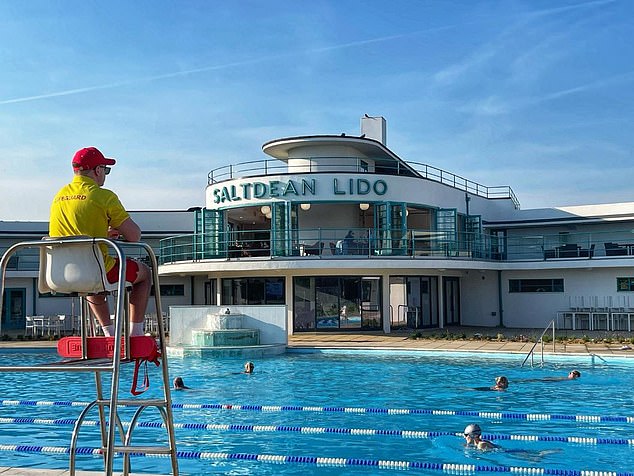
(453,468)
(418,434)
(388,411)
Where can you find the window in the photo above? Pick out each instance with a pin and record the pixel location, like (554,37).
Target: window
(337,302)
(253,291)
(536,285)
(625,284)
(170,290)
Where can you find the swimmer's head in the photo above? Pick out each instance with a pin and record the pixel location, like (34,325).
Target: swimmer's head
(472,431)
(248,367)
(574,374)
(178,383)
(501,382)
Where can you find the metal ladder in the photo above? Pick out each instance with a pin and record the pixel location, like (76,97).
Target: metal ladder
(531,352)
(107,405)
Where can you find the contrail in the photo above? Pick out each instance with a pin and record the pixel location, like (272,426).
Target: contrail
(566,8)
(128,82)
(203,69)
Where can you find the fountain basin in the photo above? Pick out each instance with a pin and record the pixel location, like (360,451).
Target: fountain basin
(244,352)
(225,337)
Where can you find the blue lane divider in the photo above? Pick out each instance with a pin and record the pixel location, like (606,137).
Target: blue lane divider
(389,411)
(454,468)
(340,431)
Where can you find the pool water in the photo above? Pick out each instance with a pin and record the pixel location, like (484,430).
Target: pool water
(433,381)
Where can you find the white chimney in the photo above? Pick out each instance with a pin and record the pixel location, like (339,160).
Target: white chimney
(374,128)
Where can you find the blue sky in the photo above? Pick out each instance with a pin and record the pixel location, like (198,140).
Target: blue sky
(537,95)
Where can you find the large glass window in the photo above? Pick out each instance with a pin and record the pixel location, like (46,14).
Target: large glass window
(329,302)
(253,291)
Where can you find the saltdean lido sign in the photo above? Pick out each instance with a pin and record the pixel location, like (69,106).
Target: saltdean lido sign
(297,188)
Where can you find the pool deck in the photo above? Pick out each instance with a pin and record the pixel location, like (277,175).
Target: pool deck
(403,341)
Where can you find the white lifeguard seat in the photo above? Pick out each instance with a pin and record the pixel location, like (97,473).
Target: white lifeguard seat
(73,268)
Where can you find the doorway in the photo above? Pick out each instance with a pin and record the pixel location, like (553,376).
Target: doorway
(413,302)
(451,300)
(14,309)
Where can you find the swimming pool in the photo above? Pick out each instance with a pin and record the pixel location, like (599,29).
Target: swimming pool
(376,381)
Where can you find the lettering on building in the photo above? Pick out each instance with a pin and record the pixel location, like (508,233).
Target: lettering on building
(296,188)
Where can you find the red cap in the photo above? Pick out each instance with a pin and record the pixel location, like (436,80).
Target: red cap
(90,157)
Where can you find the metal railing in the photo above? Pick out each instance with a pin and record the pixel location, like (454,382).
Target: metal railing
(531,353)
(331,243)
(29,260)
(259,168)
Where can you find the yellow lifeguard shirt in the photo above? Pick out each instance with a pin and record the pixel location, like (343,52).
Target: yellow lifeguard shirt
(84,208)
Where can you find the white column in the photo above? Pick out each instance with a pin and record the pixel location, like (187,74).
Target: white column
(441,307)
(289,304)
(387,325)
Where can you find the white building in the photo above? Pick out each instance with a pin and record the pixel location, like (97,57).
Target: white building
(348,236)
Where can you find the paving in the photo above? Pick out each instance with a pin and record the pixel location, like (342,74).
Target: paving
(518,341)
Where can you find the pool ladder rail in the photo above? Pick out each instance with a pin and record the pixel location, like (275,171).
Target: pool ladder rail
(83,258)
(531,353)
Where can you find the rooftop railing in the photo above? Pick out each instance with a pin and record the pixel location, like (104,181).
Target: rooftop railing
(258,168)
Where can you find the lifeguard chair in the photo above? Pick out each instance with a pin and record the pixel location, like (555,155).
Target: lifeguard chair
(75,266)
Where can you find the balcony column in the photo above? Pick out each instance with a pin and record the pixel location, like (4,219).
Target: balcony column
(387,325)
(218,291)
(290,305)
(441,303)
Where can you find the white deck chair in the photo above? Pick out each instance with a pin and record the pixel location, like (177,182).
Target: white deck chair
(30,326)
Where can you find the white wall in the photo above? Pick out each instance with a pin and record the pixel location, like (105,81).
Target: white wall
(538,309)
(479,298)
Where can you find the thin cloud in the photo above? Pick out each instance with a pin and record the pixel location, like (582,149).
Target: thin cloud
(235,64)
(483,56)
(551,11)
(619,78)
(491,49)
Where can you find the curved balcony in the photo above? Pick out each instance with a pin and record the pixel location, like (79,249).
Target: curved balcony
(366,243)
(259,168)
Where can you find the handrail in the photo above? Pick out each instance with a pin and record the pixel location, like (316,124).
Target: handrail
(418,243)
(265,167)
(532,351)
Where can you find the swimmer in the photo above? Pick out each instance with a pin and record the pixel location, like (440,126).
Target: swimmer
(501,383)
(472,434)
(249,367)
(572,375)
(178,384)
